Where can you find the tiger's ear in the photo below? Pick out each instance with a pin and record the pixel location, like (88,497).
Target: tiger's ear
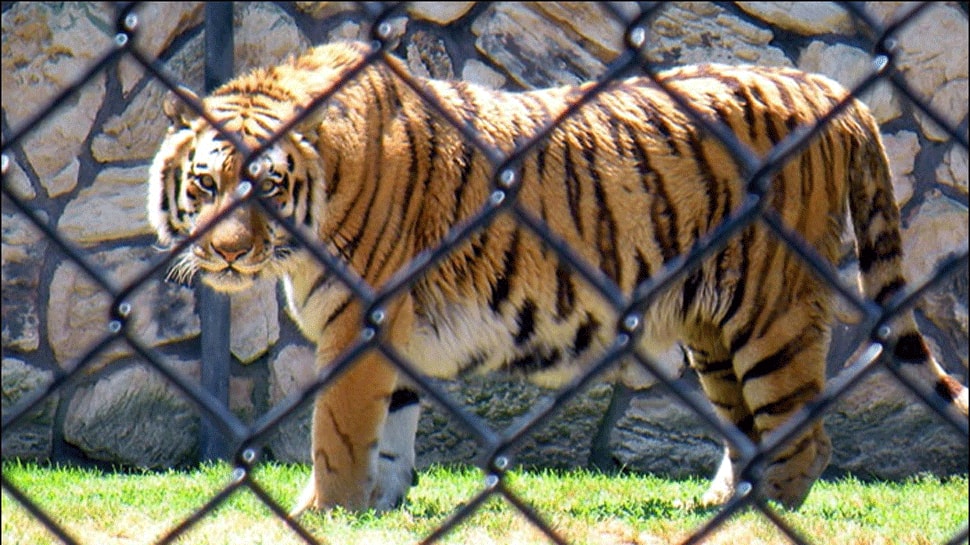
(177,109)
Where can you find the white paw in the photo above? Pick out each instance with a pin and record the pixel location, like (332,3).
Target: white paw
(394,479)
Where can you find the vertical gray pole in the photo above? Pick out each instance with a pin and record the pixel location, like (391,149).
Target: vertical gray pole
(214,306)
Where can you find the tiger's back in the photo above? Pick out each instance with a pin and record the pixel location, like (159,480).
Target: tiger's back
(630,182)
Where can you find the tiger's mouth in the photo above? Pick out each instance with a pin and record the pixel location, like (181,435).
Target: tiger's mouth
(229,280)
(231,277)
(223,276)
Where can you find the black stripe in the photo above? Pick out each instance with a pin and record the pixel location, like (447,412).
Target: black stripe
(467,160)
(350,247)
(795,450)
(472,364)
(770,129)
(573,188)
(756,95)
(377,176)
(565,292)
(606,227)
(890,289)
(318,282)
(742,337)
(584,335)
(403,397)
(691,285)
(539,152)
(884,248)
(745,98)
(170,176)
(790,402)
(534,362)
(500,290)
(711,367)
(911,349)
(338,311)
(266,126)
(708,180)
(178,181)
(663,216)
(643,268)
(421,186)
(746,425)
(308,197)
(657,118)
(409,186)
(331,185)
(779,359)
(526,321)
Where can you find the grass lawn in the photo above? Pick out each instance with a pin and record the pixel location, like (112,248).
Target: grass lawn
(101,508)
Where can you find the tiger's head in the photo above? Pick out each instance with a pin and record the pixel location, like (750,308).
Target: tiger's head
(201,186)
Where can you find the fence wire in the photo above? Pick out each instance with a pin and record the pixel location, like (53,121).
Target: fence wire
(246,439)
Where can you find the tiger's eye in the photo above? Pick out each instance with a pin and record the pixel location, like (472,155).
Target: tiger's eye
(267,188)
(206,182)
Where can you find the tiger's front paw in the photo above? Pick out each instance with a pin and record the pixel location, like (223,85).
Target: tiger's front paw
(333,490)
(394,478)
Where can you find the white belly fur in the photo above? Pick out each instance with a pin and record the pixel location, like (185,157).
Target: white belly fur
(464,332)
(451,337)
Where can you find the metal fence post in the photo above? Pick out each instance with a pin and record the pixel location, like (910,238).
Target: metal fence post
(214,306)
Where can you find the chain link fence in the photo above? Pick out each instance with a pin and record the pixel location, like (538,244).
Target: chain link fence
(243,441)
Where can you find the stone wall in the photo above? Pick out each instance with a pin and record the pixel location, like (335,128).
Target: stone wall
(82,172)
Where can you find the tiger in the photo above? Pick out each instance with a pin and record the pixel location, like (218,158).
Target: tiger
(630,180)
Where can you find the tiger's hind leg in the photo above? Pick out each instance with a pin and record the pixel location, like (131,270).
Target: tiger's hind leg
(715,370)
(395,454)
(780,372)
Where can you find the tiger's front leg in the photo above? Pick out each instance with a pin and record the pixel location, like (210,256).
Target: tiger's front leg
(349,418)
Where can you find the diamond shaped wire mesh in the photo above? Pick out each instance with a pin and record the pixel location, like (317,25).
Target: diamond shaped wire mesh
(246,440)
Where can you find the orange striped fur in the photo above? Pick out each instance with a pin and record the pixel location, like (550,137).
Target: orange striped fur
(630,181)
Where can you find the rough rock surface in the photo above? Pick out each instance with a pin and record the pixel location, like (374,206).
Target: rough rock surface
(32,436)
(134,417)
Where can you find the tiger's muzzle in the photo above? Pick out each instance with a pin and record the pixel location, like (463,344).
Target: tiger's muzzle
(233,252)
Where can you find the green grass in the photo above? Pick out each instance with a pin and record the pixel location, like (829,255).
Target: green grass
(102,508)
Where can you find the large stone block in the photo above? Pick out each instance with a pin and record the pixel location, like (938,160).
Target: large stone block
(78,310)
(533,52)
(23,254)
(135,417)
(112,208)
(291,372)
(808,18)
(33,435)
(46,48)
(696,32)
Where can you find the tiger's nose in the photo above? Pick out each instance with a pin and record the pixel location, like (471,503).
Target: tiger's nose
(229,254)
(231,245)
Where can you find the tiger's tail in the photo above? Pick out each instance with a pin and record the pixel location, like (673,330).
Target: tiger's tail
(876,222)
